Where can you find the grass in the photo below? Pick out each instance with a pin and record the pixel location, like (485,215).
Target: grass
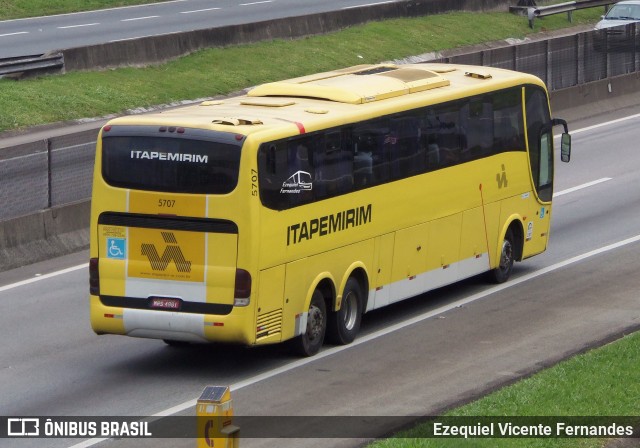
(601,382)
(222,70)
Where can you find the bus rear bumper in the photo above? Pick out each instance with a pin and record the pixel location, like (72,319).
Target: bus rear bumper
(170,325)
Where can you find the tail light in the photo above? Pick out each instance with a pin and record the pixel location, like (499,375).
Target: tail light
(94,277)
(242,291)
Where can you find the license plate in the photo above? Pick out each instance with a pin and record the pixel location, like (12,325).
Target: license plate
(165,303)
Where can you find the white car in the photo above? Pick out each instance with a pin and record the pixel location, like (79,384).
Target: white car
(622,13)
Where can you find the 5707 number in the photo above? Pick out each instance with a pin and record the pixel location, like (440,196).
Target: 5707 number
(254,183)
(166,203)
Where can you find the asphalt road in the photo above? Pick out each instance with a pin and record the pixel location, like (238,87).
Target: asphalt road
(42,34)
(414,358)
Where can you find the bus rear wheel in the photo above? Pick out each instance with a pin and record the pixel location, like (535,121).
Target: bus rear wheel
(310,342)
(344,324)
(507,257)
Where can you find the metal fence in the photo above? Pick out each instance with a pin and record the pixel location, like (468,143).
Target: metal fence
(567,61)
(58,170)
(46,173)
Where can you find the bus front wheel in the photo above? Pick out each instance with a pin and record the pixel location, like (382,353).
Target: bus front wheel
(507,256)
(344,324)
(310,342)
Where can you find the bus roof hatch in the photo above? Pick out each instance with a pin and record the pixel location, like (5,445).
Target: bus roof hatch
(348,86)
(236,121)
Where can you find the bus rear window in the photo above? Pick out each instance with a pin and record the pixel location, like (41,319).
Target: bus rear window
(170,164)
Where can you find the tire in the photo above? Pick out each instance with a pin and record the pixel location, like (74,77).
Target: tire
(344,324)
(309,343)
(507,257)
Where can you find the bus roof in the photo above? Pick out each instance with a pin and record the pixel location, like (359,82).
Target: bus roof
(336,97)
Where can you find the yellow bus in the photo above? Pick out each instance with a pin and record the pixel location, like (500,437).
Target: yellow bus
(289,212)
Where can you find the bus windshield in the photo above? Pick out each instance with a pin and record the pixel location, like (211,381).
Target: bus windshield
(170,164)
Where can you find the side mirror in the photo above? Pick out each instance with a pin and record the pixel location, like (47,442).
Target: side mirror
(565,142)
(565,147)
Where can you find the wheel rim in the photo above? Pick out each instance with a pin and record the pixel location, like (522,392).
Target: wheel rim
(315,323)
(506,258)
(350,306)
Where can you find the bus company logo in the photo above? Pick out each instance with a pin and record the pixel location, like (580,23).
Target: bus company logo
(169,156)
(501,178)
(300,181)
(171,253)
(328,224)
(23,427)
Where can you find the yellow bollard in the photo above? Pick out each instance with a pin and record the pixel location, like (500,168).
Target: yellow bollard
(214,414)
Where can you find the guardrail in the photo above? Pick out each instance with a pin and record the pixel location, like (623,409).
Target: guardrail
(31,65)
(542,11)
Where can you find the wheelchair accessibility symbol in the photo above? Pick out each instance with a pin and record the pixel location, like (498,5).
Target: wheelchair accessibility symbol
(116,248)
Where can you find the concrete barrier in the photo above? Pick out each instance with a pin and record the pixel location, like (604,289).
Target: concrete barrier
(606,95)
(47,234)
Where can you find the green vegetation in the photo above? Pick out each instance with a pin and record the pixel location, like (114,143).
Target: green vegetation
(222,70)
(17,9)
(601,382)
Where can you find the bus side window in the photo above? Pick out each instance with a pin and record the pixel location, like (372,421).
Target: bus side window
(450,136)
(362,163)
(508,121)
(270,162)
(429,126)
(407,154)
(271,174)
(479,128)
(301,171)
(372,161)
(334,165)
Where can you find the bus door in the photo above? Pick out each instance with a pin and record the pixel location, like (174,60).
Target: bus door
(540,146)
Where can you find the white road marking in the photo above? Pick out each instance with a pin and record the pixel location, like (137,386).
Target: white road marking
(139,18)
(133,38)
(199,10)
(254,3)
(77,26)
(14,34)
(599,125)
(368,4)
(580,187)
(43,277)
(391,329)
